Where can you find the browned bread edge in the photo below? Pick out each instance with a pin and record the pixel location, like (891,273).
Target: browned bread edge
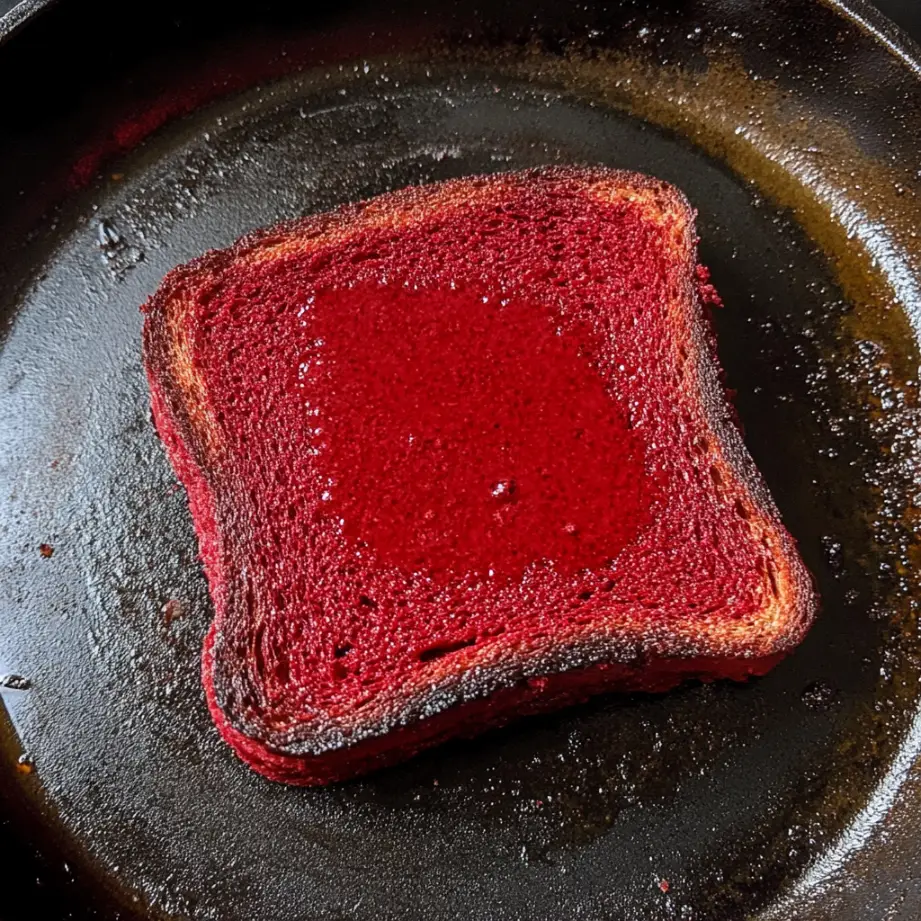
(193,442)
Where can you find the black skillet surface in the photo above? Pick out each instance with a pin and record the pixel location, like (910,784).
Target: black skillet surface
(795,133)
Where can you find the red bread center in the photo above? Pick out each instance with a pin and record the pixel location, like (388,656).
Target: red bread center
(459,434)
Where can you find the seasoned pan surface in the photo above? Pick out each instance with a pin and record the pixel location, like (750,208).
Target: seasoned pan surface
(792,128)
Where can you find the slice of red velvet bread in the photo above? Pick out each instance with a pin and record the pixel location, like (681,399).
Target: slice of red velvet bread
(458,454)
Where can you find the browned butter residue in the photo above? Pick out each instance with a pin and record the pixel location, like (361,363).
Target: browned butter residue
(860,211)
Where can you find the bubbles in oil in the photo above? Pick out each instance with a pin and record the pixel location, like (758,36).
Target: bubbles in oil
(821,696)
(15,683)
(119,256)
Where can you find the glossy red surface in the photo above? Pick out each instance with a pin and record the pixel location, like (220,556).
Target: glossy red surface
(463,433)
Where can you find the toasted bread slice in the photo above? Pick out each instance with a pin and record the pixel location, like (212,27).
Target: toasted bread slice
(457,454)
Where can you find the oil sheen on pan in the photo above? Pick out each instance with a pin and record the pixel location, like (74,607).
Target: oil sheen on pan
(793,795)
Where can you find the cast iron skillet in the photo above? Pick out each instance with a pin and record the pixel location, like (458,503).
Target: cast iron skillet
(133,141)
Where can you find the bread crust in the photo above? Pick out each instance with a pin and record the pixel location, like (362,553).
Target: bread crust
(454,698)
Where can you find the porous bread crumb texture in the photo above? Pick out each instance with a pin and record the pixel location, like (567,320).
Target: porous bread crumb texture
(457,454)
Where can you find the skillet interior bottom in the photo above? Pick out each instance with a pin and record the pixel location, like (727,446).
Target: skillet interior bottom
(700,804)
